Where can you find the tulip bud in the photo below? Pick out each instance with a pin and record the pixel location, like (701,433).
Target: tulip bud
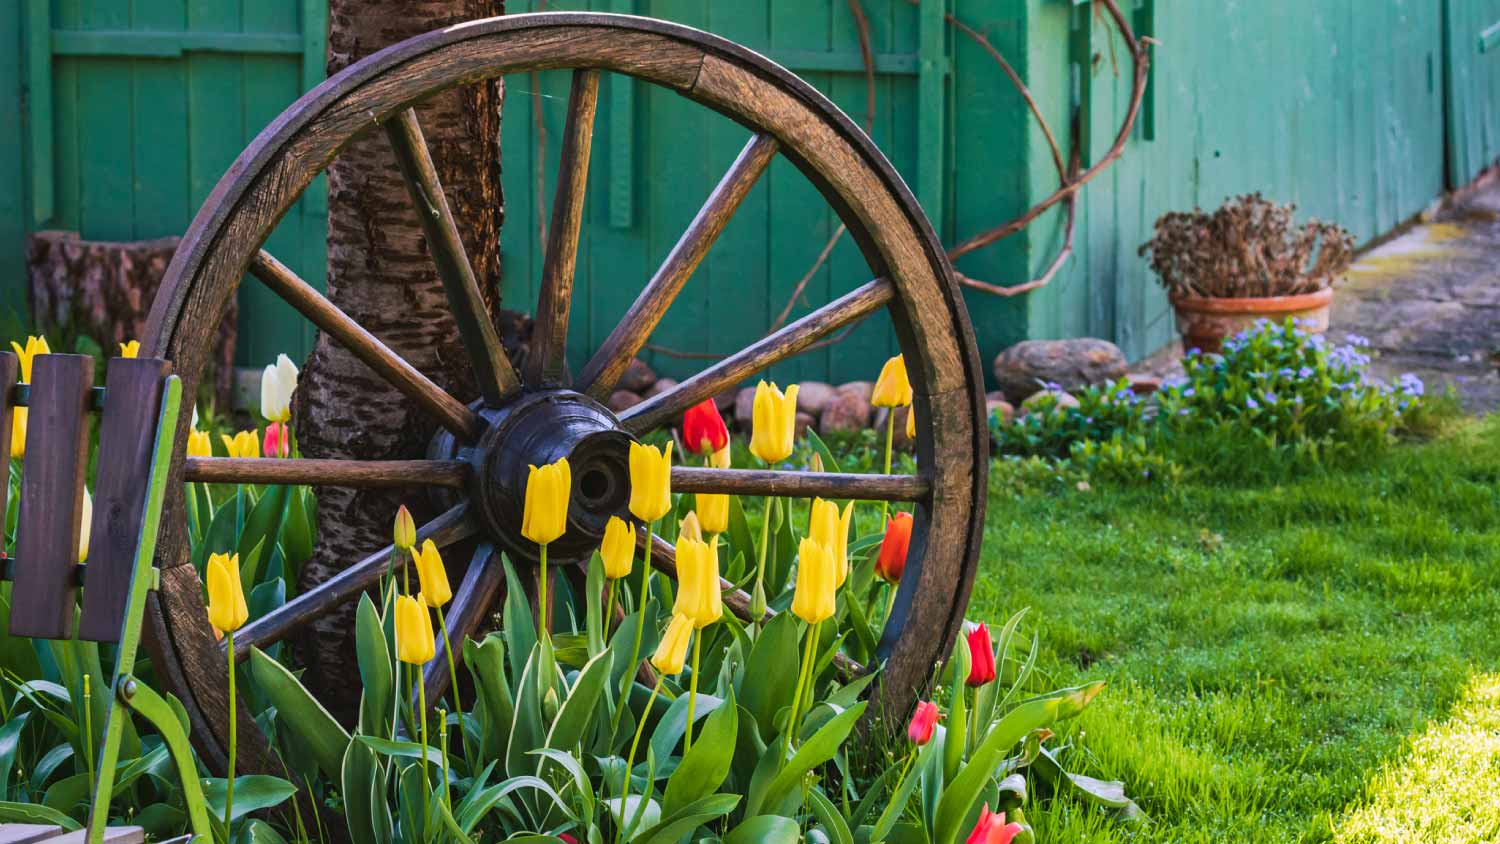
(432,575)
(650,481)
(923,723)
(721,458)
(405,533)
(699,595)
(992,829)
(671,654)
(892,389)
(981,657)
(816,463)
(550,705)
(758,601)
(415,644)
(242,444)
(713,511)
(911,423)
(226,597)
(618,550)
(891,562)
(277,442)
(774,422)
(545,516)
(814,598)
(831,528)
(277,383)
(199,445)
(703,429)
(88,526)
(130,349)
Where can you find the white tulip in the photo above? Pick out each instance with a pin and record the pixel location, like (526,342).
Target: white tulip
(88,524)
(276,387)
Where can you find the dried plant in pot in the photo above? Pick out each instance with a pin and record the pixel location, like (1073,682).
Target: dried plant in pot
(1246,261)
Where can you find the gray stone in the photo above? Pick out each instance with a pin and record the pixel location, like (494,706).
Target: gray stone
(814,396)
(996,401)
(638,377)
(1023,369)
(725,400)
(898,434)
(1064,400)
(863,389)
(804,421)
(661,386)
(622,400)
(849,411)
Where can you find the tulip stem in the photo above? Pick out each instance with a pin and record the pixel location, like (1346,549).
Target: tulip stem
(609,607)
(804,678)
(890,601)
(890,434)
(687,741)
(640,625)
(760,566)
(452,678)
(88,728)
(422,716)
(443,744)
(542,629)
(233,739)
(640,728)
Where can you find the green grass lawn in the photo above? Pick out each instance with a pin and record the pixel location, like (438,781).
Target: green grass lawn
(1312,661)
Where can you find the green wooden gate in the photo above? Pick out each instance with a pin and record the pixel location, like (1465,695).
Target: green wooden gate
(135,109)
(1472,52)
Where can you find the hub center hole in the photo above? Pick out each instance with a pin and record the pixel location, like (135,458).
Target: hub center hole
(595,485)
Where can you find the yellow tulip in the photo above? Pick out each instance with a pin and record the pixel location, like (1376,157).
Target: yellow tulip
(911,422)
(690,528)
(720,458)
(34,346)
(650,481)
(814,599)
(830,528)
(698,589)
(404,532)
(277,384)
(415,644)
(130,349)
(892,388)
(545,517)
(432,576)
(671,654)
(242,444)
(713,511)
(226,598)
(88,526)
(199,445)
(774,422)
(618,550)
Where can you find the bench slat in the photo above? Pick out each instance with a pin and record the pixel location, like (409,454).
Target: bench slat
(127,437)
(28,833)
(112,835)
(10,373)
(51,512)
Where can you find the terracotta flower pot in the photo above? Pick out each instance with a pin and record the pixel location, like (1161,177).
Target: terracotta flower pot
(1204,323)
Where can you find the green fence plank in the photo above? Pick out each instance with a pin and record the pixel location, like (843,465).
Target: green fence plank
(1472,51)
(106,116)
(15,199)
(159,142)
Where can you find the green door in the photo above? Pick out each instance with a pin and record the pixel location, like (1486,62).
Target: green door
(1472,52)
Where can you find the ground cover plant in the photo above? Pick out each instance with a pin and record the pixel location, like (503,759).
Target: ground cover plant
(1309,659)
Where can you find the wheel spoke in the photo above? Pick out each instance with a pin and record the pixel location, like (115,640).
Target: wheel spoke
(769,350)
(362,344)
(800,484)
(607,365)
(664,560)
(345,473)
(475,595)
(546,363)
(492,369)
(448,528)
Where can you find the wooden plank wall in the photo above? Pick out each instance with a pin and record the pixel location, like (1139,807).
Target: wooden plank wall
(1472,47)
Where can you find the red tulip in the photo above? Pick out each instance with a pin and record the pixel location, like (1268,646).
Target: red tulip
(568,838)
(992,828)
(981,657)
(923,723)
(892,560)
(277,443)
(703,430)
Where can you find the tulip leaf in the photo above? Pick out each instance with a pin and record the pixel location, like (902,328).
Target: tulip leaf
(577,713)
(301,713)
(958,712)
(374,670)
(520,627)
(768,684)
(814,752)
(357,774)
(526,730)
(36,813)
(259,535)
(899,798)
(633,812)
(829,816)
(830,463)
(765,829)
(10,739)
(740,538)
(252,792)
(223,533)
(704,767)
(669,730)
(486,661)
(960,794)
(382,824)
(297,532)
(594,612)
(401,749)
(688,818)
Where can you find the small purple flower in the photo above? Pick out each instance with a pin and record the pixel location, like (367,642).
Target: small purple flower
(1357,340)
(1189,393)
(1305,372)
(1251,403)
(1411,384)
(1270,397)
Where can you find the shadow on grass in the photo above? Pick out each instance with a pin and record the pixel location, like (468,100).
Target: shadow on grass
(1270,647)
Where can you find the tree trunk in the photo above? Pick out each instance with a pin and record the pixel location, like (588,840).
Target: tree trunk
(381,274)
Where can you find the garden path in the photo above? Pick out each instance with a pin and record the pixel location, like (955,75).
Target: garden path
(1429,301)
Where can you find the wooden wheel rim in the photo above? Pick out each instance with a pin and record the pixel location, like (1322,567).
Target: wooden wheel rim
(883,217)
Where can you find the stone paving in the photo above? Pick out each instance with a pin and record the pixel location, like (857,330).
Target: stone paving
(1429,302)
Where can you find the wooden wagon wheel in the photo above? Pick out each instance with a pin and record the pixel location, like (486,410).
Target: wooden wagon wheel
(532,416)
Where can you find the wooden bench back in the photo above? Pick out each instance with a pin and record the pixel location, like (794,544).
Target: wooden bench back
(45,570)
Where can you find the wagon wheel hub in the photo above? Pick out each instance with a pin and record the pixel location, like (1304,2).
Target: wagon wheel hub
(534,429)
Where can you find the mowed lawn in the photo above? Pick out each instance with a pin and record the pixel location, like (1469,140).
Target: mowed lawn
(1312,661)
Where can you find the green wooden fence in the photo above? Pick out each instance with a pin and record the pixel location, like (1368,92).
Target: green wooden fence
(1362,112)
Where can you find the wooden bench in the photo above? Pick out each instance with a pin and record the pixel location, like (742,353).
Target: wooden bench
(138,407)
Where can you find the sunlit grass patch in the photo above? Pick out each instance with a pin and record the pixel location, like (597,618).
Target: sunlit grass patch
(1446,789)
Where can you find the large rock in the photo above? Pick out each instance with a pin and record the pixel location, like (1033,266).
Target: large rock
(623,400)
(744,408)
(1064,400)
(849,411)
(863,389)
(1027,367)
(814,396)
(996,402)
(725,400)
(802,423)
(898,434)
(637,378)
(661,386)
